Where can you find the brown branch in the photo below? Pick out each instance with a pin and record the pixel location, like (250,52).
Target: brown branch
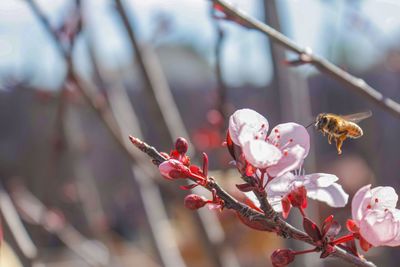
(355,84)
(274,222)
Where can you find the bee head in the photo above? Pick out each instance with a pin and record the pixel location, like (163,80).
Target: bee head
(321,121)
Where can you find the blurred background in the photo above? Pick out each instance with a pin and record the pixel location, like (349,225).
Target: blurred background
(78,76)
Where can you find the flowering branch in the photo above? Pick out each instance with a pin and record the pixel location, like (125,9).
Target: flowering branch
(250,216)
(307,57)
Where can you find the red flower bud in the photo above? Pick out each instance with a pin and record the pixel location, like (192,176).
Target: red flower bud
(282,257)
(173,169)
(194,202)
(181,145)
(298,197)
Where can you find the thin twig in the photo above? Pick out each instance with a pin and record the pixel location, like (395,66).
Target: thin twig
(355,84)
(281,227)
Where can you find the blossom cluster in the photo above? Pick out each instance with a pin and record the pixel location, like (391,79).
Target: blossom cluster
(271,164)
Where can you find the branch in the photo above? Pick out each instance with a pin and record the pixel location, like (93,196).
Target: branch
(353,83)
(274,223)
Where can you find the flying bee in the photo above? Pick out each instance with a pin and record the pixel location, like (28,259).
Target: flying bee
(340,127)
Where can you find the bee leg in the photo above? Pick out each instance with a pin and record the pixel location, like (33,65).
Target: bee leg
(339,143)
(330,138)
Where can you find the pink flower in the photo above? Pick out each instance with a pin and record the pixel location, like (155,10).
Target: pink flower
(319,186)
(172,169)
(283,150)
(375,214)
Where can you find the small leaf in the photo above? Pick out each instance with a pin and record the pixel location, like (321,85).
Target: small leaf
(352,226)
(328,250)
(286,206)
(327,224)
(312,229)
(333,231)
(364,244)
(188,187)
(245,187)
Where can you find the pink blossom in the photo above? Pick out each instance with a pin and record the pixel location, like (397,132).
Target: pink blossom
(173,169)
(375,214)
(283,150)
(319,186)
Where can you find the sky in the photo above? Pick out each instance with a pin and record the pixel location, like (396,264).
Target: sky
(324,26)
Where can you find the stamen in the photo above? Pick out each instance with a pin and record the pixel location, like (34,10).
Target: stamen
(376,200)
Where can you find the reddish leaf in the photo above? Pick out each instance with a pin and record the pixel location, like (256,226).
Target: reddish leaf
(188,187)
(351,247)
(352,226)
(364,244)
(251,204)
(230,145)
(333,230)
(286,206)
(327,224)
(195,169)
(245,187)
(312,229)
(328,250)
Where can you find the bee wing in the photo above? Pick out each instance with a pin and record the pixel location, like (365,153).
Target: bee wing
(357,117)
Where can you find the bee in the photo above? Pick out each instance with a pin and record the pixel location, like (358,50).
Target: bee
(340,127)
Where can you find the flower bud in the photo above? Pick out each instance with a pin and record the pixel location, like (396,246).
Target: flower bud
(282,257)
(194,202)
(298,197)
(173,169)
(181,145)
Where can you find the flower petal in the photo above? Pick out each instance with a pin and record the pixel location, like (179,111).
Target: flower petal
(333,195)
(320,179)
(360,202)
(280,185)
(290,161)
(386,197)
(290,134)
(246,123)
(379,228)
(261,154)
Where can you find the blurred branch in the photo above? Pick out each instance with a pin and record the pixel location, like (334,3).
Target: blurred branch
(155,82)
(270,219)
(306,57)
(16,226)
(35,212)
(95,101)
(222,88)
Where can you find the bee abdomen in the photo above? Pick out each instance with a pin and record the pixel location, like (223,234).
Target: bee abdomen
(354,131)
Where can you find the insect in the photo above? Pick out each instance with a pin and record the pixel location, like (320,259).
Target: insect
(340,127)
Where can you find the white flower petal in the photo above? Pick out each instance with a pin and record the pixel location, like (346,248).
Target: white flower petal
(333,195)
(250,122)
(291,160)
(321,179)
(360,202)
(280,185)
(379,228)
(261,154)
(291,134)
(386,197)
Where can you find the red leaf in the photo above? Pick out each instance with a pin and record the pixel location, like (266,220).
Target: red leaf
(333,230)
(230,144)
(312,229)
(286,206)
(245,187)
(327,224)
(251,204)
(352,226)
(328,250)
(188,187)
(364,244)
